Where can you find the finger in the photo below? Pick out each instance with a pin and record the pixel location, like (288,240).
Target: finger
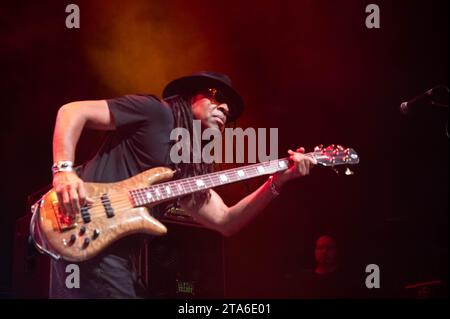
(290,152)
(307,167)
(301,168)
(313,161)
(60,199)
(301,150)
(66,202)
(82,194)
(74,201)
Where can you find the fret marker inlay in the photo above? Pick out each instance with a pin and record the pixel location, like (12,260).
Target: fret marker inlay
(199,183)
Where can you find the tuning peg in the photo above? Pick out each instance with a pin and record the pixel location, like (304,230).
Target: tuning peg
(318,148)
(330,147)
(340,147)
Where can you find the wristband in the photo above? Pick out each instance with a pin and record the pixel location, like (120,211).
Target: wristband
(273,188)
(62,166)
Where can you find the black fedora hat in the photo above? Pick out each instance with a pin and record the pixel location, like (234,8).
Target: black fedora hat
(207,80)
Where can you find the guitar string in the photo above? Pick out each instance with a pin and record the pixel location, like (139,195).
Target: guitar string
(190,182)
(122,199)
(122,203)
(125,203)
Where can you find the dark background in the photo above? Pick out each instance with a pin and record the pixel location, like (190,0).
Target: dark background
(310,68)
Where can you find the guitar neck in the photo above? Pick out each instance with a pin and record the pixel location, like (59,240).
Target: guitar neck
(174,189)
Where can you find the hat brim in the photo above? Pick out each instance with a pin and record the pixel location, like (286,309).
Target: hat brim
(194,83)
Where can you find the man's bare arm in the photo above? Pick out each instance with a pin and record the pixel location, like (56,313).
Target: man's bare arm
(72,118)
(215,214)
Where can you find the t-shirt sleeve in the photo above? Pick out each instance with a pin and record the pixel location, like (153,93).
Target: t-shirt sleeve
(134,109)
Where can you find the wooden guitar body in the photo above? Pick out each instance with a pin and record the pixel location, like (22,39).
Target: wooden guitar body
(112,216)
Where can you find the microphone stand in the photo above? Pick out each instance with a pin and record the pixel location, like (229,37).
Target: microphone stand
(432,102)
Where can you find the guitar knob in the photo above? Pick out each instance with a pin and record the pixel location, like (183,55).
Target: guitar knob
(86,242)
(95,234)
(82,230)
(72,239)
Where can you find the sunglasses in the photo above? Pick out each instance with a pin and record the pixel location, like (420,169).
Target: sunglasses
(215,96)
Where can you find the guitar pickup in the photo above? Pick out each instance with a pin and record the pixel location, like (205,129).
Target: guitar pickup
(85,215)
(107,205)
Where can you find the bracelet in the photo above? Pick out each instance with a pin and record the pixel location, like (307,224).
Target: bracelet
(273,188)
(62,166)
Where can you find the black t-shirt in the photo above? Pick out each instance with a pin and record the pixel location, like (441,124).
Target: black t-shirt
(141,140)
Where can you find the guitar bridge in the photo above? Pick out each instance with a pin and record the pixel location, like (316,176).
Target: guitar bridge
(65,222)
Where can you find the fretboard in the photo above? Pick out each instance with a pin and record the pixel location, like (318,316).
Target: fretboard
(173,189)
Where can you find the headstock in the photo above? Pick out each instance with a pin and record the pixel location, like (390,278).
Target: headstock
(335,155)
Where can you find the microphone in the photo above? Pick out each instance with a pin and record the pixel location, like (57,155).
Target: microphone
(423,100)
